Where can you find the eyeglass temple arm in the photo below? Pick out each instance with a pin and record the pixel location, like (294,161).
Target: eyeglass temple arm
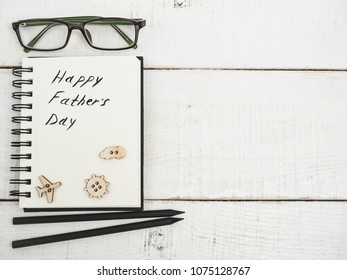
(43,31)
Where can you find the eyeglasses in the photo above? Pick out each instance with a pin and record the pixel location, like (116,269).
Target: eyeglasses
(51,34)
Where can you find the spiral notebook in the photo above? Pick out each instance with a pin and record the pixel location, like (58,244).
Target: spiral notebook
(80,123)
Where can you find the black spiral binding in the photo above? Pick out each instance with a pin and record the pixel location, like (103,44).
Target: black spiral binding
(21,107)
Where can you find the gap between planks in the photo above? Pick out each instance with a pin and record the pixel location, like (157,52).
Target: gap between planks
(226,200)
(226,69)
(249,200)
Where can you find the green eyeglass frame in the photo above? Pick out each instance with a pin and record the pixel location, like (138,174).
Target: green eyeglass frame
(79,22)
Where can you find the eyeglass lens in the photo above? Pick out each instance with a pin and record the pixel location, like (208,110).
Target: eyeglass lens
(43,34)
(110,34)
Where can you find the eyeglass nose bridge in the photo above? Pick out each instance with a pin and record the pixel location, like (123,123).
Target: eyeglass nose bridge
(80,27)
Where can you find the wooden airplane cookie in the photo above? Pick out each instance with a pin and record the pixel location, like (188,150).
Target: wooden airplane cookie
(47,188)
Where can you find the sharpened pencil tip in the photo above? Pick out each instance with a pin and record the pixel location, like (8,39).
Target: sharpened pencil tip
(175,212)
(175,220)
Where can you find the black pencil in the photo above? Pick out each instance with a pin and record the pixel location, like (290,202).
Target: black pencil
(95,217)
(93,232)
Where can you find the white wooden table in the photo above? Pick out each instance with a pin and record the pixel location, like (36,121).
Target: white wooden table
(245,129)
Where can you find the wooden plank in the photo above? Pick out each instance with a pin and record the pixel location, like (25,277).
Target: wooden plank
(205,33)
(235,135)
(245,135)
(5,132)
(211,230)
